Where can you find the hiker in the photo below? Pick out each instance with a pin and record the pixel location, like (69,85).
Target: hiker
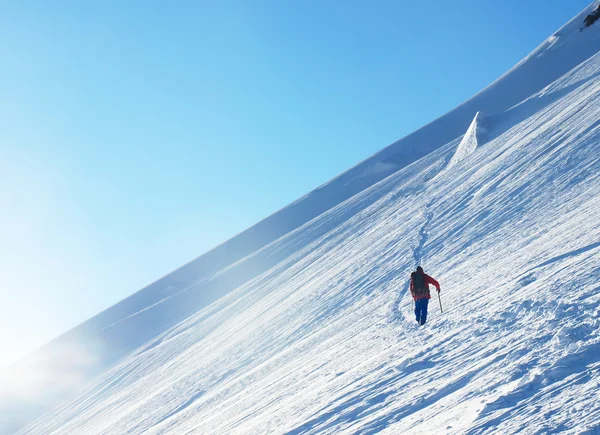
(419,287)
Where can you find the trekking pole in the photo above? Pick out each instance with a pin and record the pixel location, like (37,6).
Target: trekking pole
(440,299)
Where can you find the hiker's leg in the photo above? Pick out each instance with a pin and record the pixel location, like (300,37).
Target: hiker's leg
(420,304)
(424,311)
(417,311)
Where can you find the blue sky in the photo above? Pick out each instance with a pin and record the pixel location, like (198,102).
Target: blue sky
(137,135)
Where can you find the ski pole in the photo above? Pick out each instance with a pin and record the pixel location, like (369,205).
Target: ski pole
(440,299)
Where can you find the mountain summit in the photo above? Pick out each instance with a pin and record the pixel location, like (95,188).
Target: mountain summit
(303,323)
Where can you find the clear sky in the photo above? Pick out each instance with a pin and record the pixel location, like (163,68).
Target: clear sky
(135,135)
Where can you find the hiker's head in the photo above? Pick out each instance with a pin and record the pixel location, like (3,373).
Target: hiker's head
(419,269)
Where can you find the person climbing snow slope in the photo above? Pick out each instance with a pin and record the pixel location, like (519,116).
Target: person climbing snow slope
(419,288)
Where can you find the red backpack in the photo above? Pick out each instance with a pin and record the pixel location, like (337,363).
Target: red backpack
(420,287)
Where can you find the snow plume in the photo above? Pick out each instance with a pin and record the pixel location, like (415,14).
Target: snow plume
(469,142)
(43,378)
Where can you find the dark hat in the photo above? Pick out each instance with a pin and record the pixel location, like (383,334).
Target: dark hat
(419,269)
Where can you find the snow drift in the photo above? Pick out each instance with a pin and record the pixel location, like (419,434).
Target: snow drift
(302,323)
(469,142)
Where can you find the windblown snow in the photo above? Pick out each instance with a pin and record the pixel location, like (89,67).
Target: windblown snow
(469,142)
(304,324)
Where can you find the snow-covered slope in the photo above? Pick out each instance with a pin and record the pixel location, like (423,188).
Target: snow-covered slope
(302,324)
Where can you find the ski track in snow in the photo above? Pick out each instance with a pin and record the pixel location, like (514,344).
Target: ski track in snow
(317,334)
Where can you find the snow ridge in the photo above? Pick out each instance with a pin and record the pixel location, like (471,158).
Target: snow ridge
(469,142)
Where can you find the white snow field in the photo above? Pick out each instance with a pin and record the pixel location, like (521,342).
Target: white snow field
(303,323)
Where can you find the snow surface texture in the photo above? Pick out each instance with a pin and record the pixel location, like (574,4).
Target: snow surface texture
(307,327)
